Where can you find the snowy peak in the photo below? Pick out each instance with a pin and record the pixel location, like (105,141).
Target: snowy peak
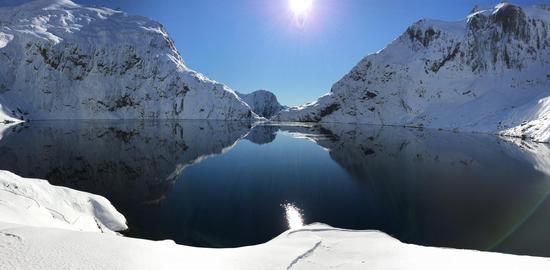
(49,4)
(487,39)
(486,73)
(503,37)
(60,60)
(262,102)
(62,20)
(507,18)
(508,36)
(36,4)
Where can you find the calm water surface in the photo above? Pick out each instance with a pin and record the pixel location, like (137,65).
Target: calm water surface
(227,184)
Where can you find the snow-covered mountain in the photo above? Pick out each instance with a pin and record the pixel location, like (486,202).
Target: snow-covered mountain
(61,60)
(487,73)
(262,102)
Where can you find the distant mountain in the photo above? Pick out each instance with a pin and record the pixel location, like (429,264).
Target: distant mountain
(263,103)
(487,73)
(60,60)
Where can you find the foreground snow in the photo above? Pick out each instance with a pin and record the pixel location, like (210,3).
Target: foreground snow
(312,247)
(34,202)
(28,204)
(487,73)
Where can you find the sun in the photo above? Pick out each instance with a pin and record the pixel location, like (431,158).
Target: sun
(300,7)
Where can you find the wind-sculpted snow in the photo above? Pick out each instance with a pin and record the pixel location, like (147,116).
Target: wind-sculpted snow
(60,60)
(34,202)
(315,246)
(488,73)
(129,162)
(263,103)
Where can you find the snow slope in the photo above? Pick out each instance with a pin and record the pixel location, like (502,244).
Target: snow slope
(315,246)
(6,117)
(488,73)
(262,102)
(34,202)
(60,60)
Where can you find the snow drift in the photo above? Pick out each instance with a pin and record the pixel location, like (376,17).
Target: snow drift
(34,202)
(488,73)
(315,246)
(60,60)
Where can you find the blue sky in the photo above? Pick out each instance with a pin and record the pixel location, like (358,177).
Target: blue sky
(256,44)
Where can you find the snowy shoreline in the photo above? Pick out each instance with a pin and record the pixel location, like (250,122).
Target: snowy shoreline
(458,77)
(34,235)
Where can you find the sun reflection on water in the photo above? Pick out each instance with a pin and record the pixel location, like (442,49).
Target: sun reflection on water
(293,216)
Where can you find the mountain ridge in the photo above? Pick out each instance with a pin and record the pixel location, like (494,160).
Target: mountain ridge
(486,73)
(61,60)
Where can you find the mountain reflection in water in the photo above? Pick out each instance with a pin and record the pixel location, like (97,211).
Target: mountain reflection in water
(226,184)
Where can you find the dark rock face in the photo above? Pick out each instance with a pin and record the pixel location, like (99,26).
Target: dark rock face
(330,109)
(504,37)
(512,19)
(477,21)
(449,57)
(424,37)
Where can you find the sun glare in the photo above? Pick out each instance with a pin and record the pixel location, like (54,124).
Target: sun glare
(293,216)
(300,7)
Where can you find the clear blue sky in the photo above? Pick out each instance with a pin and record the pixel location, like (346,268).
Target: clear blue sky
(256,44)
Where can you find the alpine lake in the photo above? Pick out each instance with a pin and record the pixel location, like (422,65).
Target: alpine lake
(229,184)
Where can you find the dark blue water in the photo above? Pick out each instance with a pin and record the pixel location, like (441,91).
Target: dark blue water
(226,184)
